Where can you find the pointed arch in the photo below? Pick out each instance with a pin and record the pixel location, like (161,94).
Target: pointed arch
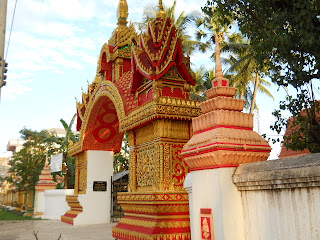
(102,125)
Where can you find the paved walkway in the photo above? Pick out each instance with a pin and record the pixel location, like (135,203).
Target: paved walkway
(50,230)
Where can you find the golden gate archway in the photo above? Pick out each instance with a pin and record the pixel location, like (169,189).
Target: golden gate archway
(142,87)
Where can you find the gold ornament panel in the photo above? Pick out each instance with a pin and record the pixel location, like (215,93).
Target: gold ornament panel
(161,197)
(157,165)
(147,167)
(153,224)
(156,208)
(81,173)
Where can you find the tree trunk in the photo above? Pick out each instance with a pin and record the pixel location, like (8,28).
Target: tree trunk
(256,84)
(242,93)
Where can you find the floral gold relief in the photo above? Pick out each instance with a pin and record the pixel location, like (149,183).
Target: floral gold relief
(147,159)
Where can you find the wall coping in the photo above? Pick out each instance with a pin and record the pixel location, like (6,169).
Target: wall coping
(293,172)
(59,192)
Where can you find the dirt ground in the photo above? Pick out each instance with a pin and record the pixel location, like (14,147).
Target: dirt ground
(51,230)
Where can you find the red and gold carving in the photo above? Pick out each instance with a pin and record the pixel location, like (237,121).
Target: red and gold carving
(179,167)
(154,215)
(207,224)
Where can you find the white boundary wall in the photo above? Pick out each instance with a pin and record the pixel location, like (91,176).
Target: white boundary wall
(55,203)
(271,200)
(281,198)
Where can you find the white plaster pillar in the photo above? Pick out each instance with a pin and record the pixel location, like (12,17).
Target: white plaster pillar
(39,203)
(96,205)
(214,188)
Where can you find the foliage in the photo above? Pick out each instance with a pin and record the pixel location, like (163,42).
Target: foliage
(283,33)
(203,80)
(285,37)
(29,161)
(70,161)
(121,159)
(209,26)
(39,146)
(8,215)
(304,130)
(244,70)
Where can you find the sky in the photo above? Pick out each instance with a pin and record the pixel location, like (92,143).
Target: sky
(53,52)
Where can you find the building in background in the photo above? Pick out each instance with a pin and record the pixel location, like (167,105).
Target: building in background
(4,164)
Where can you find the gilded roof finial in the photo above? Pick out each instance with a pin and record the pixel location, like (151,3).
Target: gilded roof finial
(97,79)
(161,13)
(122,12)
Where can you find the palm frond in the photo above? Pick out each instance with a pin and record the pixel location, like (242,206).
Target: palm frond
(264,82)
(265,91)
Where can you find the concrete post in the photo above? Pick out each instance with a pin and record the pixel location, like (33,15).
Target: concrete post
(3,23)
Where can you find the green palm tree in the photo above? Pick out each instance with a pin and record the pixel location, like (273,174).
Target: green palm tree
(64,142)
(244,69)
(213,31)
(203,80)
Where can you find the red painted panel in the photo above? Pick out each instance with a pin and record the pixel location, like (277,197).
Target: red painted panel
(145,97)
(205,210)
(102,131)
(126,65)
(153,230)
(176,93)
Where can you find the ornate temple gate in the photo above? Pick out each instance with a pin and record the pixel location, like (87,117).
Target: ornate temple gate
(142,87)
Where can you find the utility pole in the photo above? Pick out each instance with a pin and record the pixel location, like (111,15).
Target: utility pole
(3,23)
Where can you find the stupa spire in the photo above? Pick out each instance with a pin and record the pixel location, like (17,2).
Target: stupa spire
(122,12)
(218,58)
(161,13)
(220,80)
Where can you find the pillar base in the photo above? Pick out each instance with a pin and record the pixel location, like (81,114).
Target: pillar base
(154,216)
(214,189)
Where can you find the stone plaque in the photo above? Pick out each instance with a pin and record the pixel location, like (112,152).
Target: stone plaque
(99,186)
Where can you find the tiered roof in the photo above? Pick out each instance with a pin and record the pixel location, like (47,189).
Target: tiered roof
(157,52)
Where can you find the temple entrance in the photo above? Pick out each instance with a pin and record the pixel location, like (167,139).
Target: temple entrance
(100,138)
(142,87)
